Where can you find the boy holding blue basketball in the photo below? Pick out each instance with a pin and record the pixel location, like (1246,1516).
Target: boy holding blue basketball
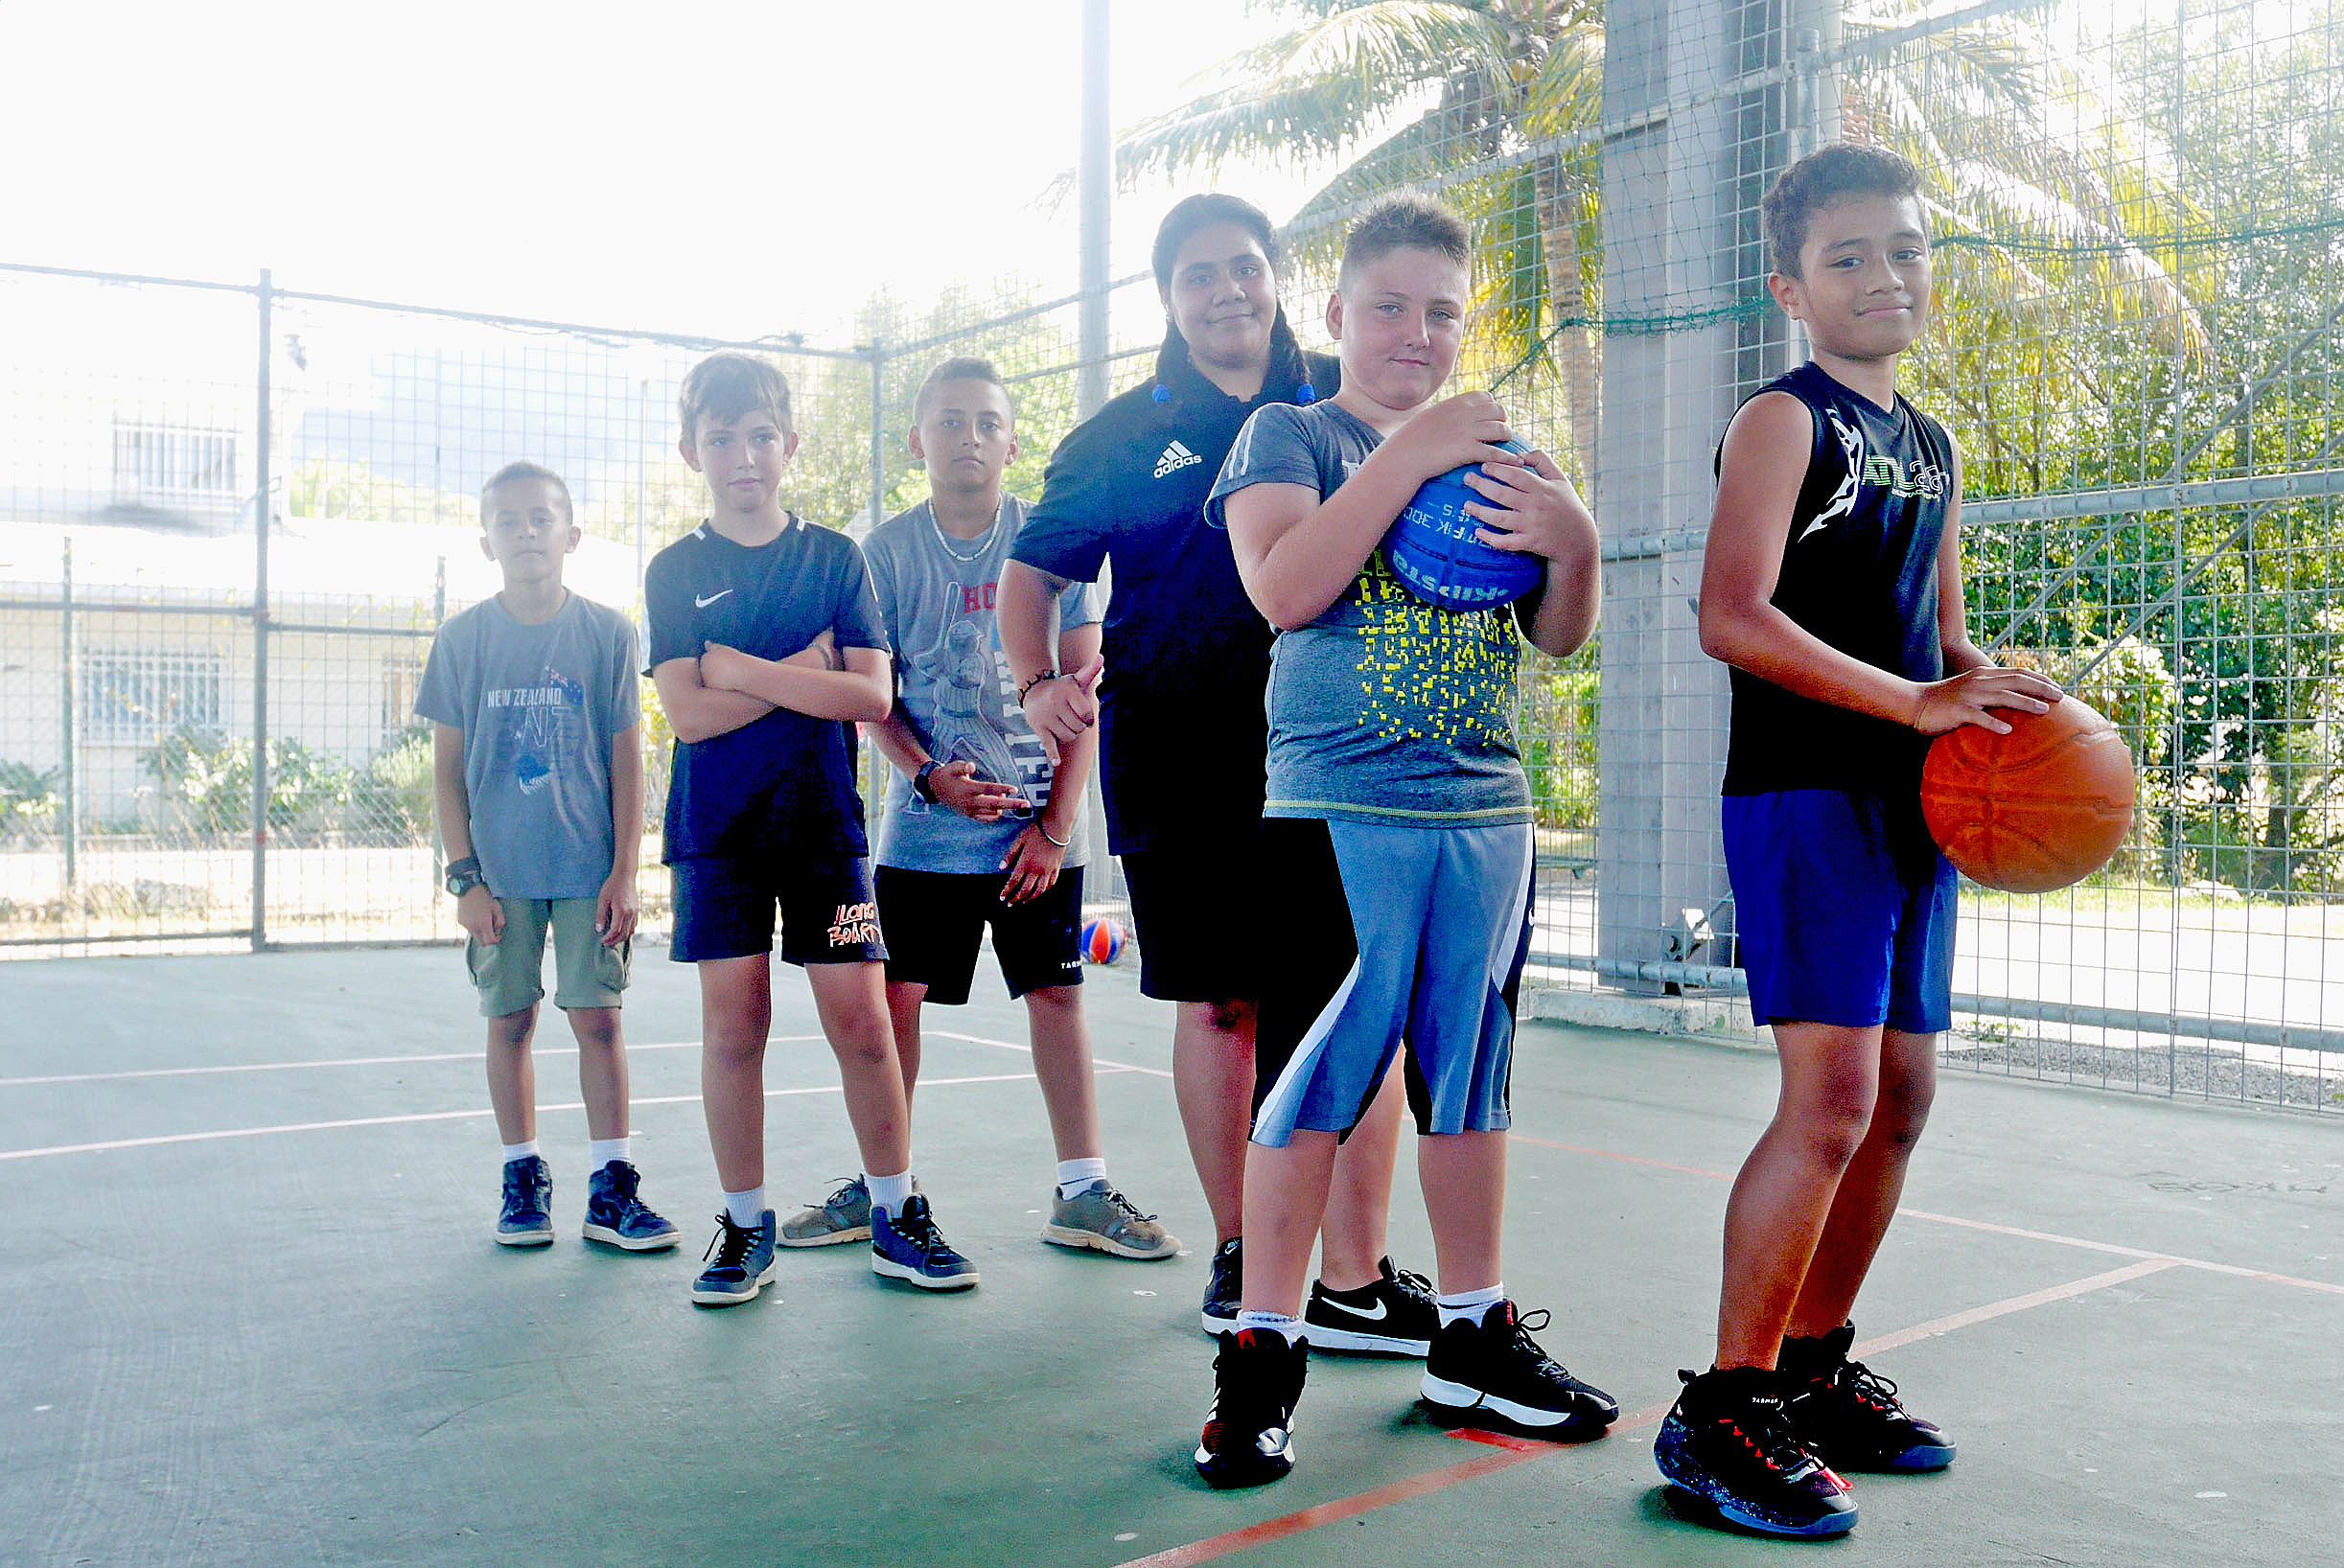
(1398,828)
(1832,585)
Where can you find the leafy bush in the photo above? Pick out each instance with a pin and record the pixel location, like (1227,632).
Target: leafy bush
(203,782)
(29,799)
(390,800)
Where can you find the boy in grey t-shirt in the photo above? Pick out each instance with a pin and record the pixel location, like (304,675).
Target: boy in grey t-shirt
(539,790)
(1397,832)
(981,830)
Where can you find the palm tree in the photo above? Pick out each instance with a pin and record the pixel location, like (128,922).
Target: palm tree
(1500,103)
(1471,95)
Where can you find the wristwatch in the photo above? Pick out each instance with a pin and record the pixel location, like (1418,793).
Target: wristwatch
(464,875)
(920,786)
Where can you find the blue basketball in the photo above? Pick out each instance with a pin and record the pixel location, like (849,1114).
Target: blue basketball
(1432,551)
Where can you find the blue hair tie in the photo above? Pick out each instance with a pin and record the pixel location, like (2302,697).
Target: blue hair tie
(1305,395)
(1162,393)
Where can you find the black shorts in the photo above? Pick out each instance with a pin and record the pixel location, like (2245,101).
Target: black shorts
(1199,930)
(936,920)
(725,909)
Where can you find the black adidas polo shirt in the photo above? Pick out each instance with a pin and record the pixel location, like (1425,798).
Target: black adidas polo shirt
(1182,730)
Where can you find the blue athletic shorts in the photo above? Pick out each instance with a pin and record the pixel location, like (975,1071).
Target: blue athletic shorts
(1844,910)
(1384,933)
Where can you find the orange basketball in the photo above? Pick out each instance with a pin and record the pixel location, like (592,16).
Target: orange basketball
(2038,809)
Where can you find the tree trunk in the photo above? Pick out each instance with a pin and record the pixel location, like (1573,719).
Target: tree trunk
(1578,351)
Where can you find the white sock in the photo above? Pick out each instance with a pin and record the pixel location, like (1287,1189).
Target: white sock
(746,1209)
(1470,1306)
(601,1151)
(889,1192)
(1073,1175)
(1277,1322)
(520,1151)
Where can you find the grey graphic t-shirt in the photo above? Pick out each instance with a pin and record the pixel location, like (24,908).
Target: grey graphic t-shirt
(1385,708)
(539,706)
(936,599)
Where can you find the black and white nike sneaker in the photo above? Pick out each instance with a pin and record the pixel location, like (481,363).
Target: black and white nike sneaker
(1391,1315)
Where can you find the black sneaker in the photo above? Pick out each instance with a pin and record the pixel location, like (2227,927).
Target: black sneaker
(1728,1443)
(523,1219)
(1248,1434)
(1849,1415)
(1394,1315)
(1224,1288)
(1493,1370)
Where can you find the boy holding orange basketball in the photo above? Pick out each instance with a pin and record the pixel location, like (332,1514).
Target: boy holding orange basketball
(1398,831)
(1833,585)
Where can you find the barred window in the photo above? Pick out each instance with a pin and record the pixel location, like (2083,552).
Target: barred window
(132,698)
(167,464)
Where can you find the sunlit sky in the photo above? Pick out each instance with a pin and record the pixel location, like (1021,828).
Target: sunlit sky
(727,168)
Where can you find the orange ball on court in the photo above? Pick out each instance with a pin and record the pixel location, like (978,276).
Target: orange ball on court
(2035,810)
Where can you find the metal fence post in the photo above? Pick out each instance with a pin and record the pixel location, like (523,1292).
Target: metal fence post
(878,434)
(1095,164)
(72,802)
(259,634)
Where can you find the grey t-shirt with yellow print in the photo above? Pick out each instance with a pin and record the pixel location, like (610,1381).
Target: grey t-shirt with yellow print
(1385,708)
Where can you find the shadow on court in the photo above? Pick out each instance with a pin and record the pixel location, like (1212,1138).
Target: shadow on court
(250,1313)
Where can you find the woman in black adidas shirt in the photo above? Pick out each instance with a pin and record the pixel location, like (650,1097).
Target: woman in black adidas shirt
(1183,731)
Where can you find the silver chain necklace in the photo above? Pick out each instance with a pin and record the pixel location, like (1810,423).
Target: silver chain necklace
(984,541)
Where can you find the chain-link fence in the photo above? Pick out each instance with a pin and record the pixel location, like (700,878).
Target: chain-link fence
(2139,220)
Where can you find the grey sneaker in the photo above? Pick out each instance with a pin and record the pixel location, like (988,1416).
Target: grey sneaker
(845,1216)
(1099,1217)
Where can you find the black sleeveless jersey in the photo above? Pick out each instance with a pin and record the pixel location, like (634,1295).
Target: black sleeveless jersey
(1859,572)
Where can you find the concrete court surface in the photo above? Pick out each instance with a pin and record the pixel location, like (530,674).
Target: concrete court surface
(249,1312)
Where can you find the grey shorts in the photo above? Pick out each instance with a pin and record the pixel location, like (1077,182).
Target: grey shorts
(508,972)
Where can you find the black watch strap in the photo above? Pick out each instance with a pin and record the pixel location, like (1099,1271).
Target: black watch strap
(464,875)
(920,786)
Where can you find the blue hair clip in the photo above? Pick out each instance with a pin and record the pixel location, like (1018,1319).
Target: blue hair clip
(1162,393)
(1305,395)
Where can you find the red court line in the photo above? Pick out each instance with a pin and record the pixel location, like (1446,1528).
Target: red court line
(1213,1548)
(110,1144)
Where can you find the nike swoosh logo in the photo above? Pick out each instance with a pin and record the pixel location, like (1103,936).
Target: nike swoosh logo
(1383,1309)
(698,603)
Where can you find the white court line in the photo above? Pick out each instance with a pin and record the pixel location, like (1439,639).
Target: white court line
(435,1116)
(344,1061)
(1011,1045)
(217,1068)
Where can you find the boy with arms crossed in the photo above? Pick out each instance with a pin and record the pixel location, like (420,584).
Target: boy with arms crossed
(1833,585)
(538,784)
(981,828)
(765,646)
(1398,831)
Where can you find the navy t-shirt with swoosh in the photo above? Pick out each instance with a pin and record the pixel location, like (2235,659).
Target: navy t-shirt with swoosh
(786,781)
(1859,572)
(1182,730)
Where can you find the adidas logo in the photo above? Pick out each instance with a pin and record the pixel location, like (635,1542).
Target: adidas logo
(1175,457)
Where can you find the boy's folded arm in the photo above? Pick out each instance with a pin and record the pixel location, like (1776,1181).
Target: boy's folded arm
(1297,551)
(697,711)
(899,743)
(1759,474)
(862,692)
